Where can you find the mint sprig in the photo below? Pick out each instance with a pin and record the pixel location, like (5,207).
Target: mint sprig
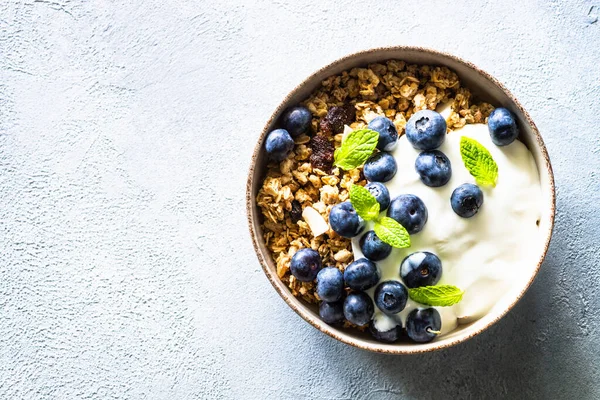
(364,202)
(392,233)
(440,295)
(387,229)
(356,148)
(478,161)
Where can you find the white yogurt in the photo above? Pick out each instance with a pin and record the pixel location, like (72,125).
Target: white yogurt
(483,255)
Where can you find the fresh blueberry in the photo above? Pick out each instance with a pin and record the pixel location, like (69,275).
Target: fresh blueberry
(374,248)
(424,325)
(296,120)
(358,308)
(502,127)
(389,336)
(344,220)
(332,313)
(380,167)
(409,211)
(466,200)
(279,143)
(361,274)
(390,297)
(305,265)
(330,284)
(433,168)
(388,135)
(426,130)
(421,269)
(381,193)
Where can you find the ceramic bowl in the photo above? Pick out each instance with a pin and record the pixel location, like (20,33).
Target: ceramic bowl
(483,86)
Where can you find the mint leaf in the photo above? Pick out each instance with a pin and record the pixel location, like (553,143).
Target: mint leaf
(355,149)
(440,295)
(479,161)
(364,202)
(392,233)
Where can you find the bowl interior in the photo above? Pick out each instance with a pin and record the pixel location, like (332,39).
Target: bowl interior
(484,87)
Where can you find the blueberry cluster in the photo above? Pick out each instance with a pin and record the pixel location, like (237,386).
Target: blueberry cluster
(426,131)
(343,294)
(294,122)
(418,269)
(344,299)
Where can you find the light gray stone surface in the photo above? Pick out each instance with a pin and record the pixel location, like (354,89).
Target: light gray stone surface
(126,129)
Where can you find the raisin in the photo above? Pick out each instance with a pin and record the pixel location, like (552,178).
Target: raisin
(296,213)
(322,153)
(333,123)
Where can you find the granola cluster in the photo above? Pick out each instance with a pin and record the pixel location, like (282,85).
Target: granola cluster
(306,177)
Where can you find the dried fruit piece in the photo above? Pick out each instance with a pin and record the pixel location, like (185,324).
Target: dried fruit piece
(296,212)
(333,123)
(322,153)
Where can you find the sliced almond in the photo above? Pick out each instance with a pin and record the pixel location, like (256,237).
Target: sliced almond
(315,221)
(445,109)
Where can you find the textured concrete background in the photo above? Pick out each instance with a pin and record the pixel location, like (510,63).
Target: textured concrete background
(126,130)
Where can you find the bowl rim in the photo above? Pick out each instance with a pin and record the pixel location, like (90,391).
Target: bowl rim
(287,296)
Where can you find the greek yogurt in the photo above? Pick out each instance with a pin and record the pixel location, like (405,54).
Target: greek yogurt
(484,255)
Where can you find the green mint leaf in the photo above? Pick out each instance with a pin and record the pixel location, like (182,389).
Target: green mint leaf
(392,233)
(364,202)
(355,149)
(440,295)
(478,161)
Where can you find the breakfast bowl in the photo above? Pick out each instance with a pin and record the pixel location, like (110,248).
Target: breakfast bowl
(397,85)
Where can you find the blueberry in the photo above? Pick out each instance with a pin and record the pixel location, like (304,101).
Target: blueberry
(466,200)
(421,269)
(426,130)
(374,248)
(389,336)
(381,193)
(361,274)
(390,297)
(409,211)
(433,168)
(330,284)
(380,167)
(502,127)
(332,313)
(305,265)
(296,120)
(344,220)
(424,325)
(358,308)
(279,143)
(388,135)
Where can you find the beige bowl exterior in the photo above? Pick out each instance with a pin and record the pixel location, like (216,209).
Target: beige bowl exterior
(482,85)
